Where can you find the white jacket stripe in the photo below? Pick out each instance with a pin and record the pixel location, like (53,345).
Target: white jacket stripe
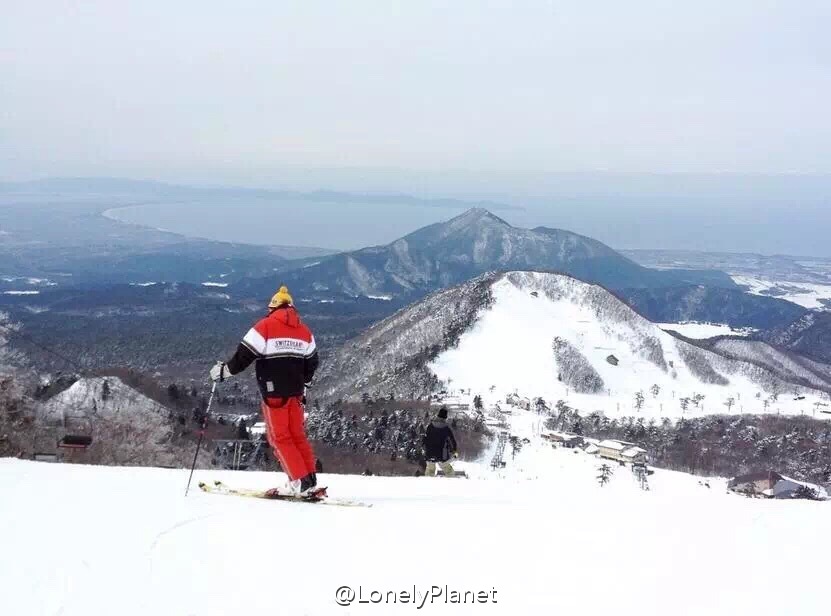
(254,341)
(275,347)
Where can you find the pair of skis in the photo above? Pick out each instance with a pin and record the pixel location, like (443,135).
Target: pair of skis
(317,496)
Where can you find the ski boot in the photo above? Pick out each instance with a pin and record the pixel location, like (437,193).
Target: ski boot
(290,488)
(312,491)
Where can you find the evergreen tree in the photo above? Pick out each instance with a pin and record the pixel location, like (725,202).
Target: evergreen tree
(806,492)
(655,389)
(173,391)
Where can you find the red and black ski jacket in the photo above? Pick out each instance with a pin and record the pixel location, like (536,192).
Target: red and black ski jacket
(285,351)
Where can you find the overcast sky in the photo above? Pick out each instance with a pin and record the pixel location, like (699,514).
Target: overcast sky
(462,97)
(157,87)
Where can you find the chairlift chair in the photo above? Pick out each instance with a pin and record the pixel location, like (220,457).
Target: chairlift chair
(75,441)
(77,435)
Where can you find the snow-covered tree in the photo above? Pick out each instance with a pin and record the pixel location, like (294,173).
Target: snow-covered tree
(17,428)
(655,389)
(604,474)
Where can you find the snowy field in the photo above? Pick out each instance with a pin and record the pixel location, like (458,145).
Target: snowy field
(809,295)
(702,331)
(541,533)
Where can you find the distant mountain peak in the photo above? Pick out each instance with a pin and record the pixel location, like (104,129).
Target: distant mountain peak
(474,242)
(476,215)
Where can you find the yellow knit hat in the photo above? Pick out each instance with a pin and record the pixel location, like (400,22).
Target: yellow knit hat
(281,297)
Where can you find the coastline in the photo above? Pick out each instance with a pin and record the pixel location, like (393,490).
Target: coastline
(286,250)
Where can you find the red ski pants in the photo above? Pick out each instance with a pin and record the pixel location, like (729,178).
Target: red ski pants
(287,436)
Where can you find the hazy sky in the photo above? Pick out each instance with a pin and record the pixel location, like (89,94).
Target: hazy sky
(231,91)
(464,98)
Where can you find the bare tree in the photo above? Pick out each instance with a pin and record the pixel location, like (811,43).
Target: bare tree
(17,422)
(135,439)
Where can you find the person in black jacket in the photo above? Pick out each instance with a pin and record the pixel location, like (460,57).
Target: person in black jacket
(439,445)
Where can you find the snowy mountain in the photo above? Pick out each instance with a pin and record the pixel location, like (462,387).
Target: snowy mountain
(795,368)
(552,336)
(809,335)
(469,245)
(101,397)
(126,426)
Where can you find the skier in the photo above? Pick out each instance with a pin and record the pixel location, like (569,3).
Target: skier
(286,355)
(439,444)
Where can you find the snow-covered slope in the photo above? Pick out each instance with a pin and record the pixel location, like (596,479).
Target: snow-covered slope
(809,335)
(810,295)
(541,533)
(553,336)
(798,369)
(703,331)
(100,396)
(126,426)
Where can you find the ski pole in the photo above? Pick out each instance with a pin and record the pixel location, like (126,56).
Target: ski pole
(201,436)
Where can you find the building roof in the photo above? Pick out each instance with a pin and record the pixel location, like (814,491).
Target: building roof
(616,445)
(768,475)
(788,484)
(564,436)
(633,451)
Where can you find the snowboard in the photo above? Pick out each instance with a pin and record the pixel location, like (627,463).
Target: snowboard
(317,496)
